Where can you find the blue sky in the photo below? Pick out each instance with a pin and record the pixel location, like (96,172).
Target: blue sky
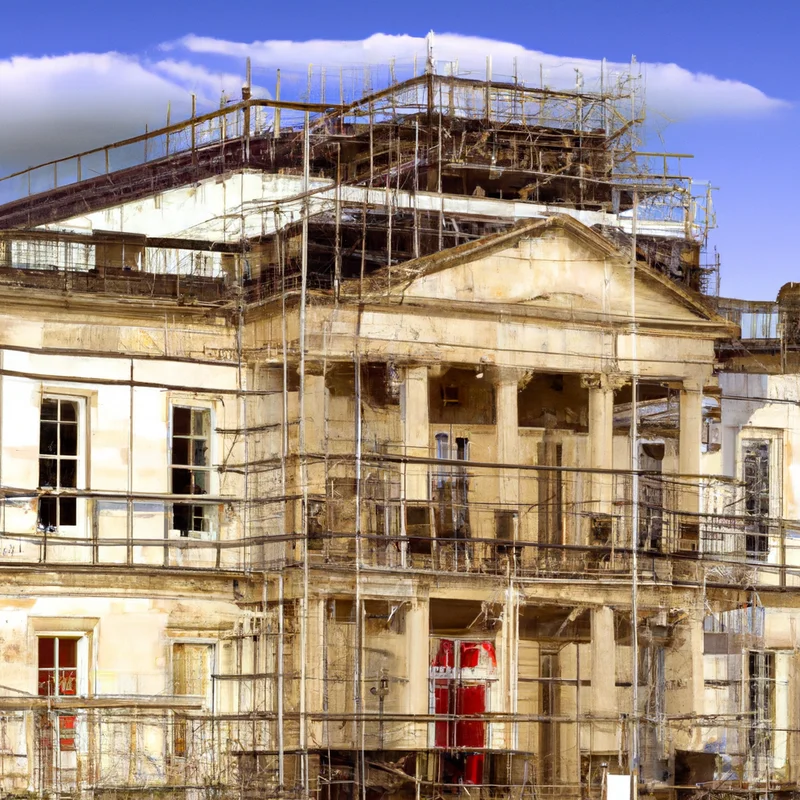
(78,75)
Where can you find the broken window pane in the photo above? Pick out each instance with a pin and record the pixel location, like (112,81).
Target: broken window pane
(48,515)
(199,482)
(67,511)
(180,451)
(199,449)
(181,481)
(200,422)
(181,518)
(181,421)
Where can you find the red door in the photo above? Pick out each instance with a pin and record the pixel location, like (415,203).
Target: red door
(460,694)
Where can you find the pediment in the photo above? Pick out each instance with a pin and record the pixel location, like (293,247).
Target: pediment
(556,264)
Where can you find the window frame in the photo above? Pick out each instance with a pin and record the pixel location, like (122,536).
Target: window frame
(81,465)
(57,638)
(774,438)
(181,723)
(209,516)
(69,732)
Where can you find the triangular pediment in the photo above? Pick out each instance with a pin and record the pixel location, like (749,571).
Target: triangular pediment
(556,265)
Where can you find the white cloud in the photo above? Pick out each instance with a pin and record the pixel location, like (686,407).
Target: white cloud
(670,89)
(206,84)
(54,106)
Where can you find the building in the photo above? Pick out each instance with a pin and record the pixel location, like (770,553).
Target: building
(373,448)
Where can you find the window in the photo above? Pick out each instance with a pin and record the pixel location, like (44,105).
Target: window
(551,496)
(191,468)
(452,489)
(451,395)
(59,462)
(550,705)
(387,530)
(442,454)
(505,525)
(761,690)
(755,463)
(651,495)
(191,675)
(58,677)
(58,666)
(418,530)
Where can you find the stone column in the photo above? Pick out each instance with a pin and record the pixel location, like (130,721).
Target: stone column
(603,680)
(507,427)
(416,431)
(689,444)
(418,658)
(315,426)
(601,440)
(315,668)
(684,675)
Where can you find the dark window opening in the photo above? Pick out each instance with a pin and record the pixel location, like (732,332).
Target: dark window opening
(761,691)
(549,673)
(551,494)
(505,525)
(554,401)
(756,458)
(651,495)
(191,468)
(58,462)
(461,397)
(418,530)
(451,395)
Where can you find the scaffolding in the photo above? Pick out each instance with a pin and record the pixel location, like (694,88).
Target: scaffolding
(328,539)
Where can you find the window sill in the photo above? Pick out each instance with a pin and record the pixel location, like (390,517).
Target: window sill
(193,536)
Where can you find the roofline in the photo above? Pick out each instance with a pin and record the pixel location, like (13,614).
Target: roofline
(409,271)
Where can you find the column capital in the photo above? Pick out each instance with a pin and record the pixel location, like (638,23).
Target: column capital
(508,375)
(692,385)
(604,381)
(415,370)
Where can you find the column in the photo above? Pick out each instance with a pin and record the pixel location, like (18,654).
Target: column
(684,676)
(603,680)
(316,652)
(689,443)
(601,440)
(315,430)
(418,658)
(507,427)
(416,431)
